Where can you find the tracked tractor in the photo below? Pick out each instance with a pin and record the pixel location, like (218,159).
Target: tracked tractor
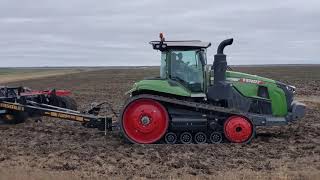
(194,102)
(190,102)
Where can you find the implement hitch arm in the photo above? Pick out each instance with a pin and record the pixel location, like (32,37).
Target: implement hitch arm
(36,109)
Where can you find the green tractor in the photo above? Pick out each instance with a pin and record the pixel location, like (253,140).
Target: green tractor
(193,102)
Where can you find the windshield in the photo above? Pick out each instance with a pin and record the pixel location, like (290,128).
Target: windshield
(187,68)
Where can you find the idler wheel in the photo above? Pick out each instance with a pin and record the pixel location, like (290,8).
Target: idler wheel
(238,129)
(144,121)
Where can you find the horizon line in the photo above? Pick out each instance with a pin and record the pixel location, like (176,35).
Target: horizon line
(310,64)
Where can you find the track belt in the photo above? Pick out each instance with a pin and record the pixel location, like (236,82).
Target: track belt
(195,105)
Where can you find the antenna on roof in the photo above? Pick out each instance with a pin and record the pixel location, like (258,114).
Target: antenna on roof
(162,37)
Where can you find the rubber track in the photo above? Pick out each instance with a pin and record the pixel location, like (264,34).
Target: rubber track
(196,105)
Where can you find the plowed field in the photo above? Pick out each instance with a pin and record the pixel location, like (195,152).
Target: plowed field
(58,149)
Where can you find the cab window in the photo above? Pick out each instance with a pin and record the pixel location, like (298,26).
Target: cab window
(186,68)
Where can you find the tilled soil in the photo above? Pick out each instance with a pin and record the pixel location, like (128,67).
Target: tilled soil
(59,146)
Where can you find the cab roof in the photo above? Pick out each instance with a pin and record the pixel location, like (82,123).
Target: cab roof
(191,44)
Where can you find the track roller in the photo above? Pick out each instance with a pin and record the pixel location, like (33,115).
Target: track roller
(170,138)
(186,138)
(216,137)
(200,138)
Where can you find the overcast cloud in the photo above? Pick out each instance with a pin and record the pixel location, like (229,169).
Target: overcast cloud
(114,33)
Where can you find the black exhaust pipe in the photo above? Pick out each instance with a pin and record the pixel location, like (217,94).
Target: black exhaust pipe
(223,44)
(220,62)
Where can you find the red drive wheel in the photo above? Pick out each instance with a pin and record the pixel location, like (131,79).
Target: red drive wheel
(238,129)
(145,121)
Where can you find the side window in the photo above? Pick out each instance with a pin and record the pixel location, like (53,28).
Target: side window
(163,67)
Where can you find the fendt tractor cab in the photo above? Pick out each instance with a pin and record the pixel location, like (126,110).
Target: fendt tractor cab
(192,101)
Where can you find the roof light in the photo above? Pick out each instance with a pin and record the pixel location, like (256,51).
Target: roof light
(162,37)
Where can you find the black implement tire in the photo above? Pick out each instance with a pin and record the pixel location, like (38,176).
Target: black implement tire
(67,102)
(14,117)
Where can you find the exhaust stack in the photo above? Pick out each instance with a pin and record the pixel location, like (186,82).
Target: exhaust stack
(220,62)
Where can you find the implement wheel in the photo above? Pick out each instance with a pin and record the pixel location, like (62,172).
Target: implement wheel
(63,102)
(144,121)
(14,117)
(238,129)
(67,102)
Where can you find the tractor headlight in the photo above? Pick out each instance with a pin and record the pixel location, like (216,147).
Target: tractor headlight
(160,46)
(291,88)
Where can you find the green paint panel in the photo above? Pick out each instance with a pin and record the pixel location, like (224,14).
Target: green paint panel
(278,98)
(276,94)
(161,86)
(246,89)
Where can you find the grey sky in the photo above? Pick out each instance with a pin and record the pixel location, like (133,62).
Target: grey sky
(103,32)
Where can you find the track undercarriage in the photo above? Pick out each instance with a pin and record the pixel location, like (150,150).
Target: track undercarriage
(158,119)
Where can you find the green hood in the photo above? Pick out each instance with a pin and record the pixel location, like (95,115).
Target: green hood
(248,84)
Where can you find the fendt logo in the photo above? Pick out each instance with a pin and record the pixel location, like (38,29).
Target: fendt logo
(11,106)
(253,81)
(245,80)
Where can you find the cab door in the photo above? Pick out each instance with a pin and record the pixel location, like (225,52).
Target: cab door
(187,69)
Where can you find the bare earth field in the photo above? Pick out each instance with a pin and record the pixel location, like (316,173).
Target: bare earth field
(57,149)
(19,74)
